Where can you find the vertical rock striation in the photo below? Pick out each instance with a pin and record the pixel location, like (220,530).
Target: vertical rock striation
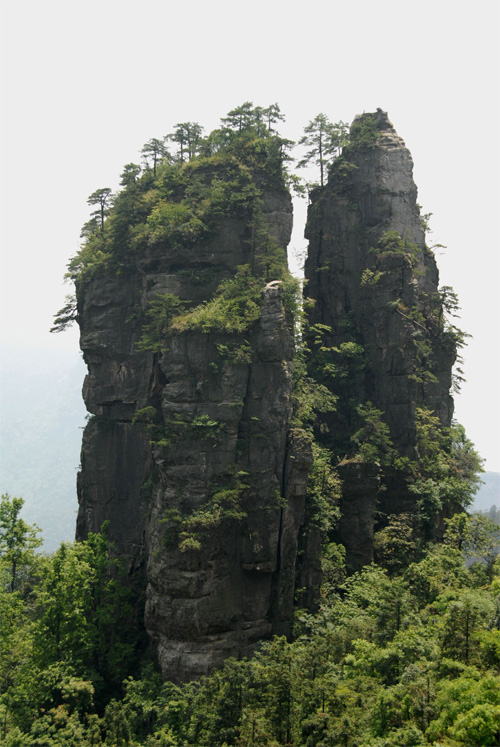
(188,453)
(189,342)
(375,285)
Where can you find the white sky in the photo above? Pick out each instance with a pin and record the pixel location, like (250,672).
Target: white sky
(86,84)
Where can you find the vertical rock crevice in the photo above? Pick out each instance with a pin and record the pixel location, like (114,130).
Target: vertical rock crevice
(374,284)
(190,453)
(188,444)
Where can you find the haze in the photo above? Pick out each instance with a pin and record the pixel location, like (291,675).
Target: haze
(85,85)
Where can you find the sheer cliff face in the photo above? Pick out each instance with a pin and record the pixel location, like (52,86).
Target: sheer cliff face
(237,588)
(188,454)
(375,284)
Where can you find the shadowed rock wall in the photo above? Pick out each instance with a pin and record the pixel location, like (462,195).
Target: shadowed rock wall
(206,495)
(375,284)
(189,452)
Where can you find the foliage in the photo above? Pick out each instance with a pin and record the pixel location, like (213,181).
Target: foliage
(188,136)
(476,537)
(389,646)
(388,660)
(70,638)
(177,201)
(225,503)
(392,243)
(325,141)
(448,462)
(364,132)
(233,309)
(323,491)
(338,371)
(371,277)
(311,399)
(18,541)
(395,544)
(103,198)
(153,152)
(310,395)
(372,439)
(65,317)
(174,225)
(160,313)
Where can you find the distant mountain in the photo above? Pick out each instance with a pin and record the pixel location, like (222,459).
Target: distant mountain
(489,493)
(41,415)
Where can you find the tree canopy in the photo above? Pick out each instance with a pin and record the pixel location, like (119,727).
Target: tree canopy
(18,540)
(403,660)
(390,650)
(324,141)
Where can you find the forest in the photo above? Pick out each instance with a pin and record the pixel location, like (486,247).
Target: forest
(404,652)
(393,657)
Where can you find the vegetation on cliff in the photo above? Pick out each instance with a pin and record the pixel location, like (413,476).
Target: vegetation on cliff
(392,658)
(177,199)
(381,337)
(402,652)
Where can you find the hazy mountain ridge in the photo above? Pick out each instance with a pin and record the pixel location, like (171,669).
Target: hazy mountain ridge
(488,494)
(42,413)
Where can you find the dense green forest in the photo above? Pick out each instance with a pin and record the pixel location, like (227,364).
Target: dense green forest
(179,196)
(392,658)
(403,653)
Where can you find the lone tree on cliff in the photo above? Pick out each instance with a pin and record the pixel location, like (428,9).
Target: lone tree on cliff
(102,198)
(325,141)
(18,540)
(272,114)
(240,118)
(154,151)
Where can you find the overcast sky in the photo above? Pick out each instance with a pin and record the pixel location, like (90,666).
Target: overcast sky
(86,84)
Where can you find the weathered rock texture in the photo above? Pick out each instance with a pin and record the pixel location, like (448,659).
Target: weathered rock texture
(189,453)
(375,284)
(206,495)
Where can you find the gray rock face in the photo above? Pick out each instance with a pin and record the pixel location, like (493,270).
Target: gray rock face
(208,603)
(206,497)
(190,455)
(375,284)
(361,486)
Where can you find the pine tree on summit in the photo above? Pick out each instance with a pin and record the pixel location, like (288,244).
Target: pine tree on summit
(154,151)
(102,198)
(188,137)
(240,118)
(18,540)
(272,115)
(325,140)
